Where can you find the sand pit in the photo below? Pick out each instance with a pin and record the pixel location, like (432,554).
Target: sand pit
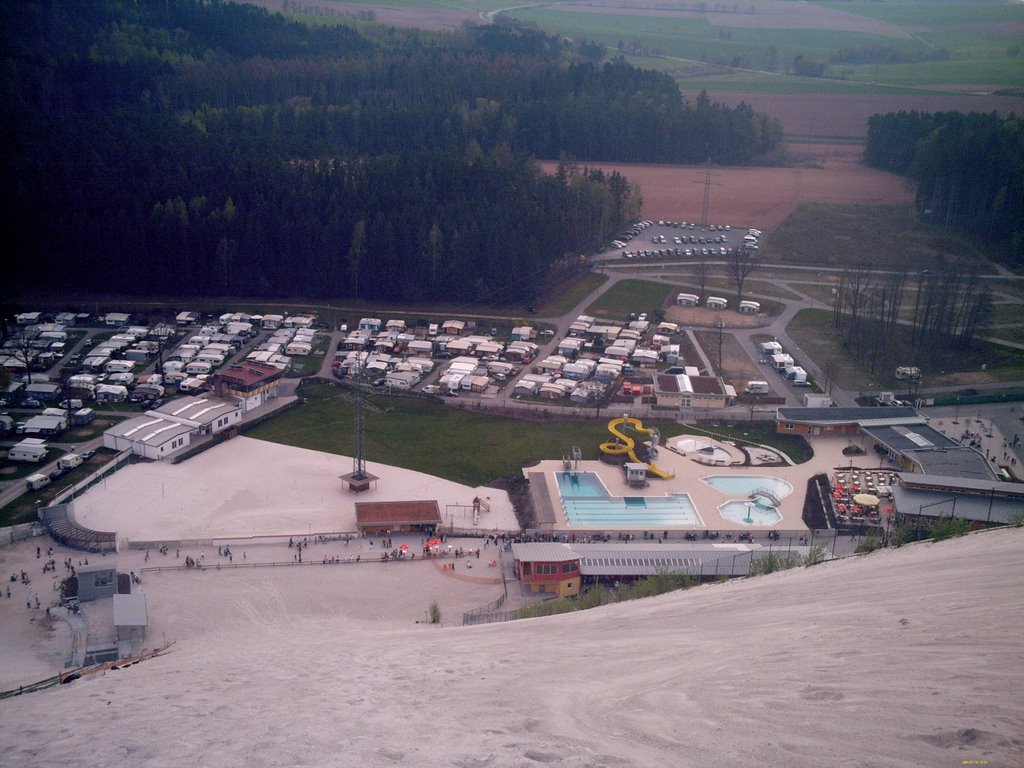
(254,488)
(903,658)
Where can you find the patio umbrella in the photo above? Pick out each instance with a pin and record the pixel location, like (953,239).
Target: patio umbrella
(403,546)
(433,542)
(866,499)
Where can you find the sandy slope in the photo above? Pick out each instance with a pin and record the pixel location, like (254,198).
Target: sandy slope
(909,657)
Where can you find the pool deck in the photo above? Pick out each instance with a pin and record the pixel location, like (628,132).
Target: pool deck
(828,454)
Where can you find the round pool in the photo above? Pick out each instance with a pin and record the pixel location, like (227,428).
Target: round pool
(750,512)
(701,447)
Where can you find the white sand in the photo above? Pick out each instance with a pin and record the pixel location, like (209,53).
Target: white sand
(909,657)
(248,487)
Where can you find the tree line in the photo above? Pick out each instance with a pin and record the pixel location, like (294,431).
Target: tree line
(201,147)
(968,168)
(947,309)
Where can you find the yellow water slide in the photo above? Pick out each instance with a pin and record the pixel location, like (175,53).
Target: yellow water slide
(624,444)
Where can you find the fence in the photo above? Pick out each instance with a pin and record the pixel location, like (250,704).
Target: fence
(20,532)
(486,614)
(120,461)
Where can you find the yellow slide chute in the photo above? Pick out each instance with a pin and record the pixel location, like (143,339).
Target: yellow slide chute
(624,444)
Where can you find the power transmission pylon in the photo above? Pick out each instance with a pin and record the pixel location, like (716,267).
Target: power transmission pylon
(708,183)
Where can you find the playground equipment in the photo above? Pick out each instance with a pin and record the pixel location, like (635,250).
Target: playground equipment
(624,444)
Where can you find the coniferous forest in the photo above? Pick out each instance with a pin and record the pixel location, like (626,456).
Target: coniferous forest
(968,168)
(198,147)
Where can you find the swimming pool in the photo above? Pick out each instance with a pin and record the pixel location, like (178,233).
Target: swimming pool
(746,484)
(750,513)
(588,503)
(573,484)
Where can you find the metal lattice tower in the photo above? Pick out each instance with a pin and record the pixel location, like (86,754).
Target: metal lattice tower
(359,479)
(708,183)
(359,454)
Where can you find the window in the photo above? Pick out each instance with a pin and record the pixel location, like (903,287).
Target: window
(546,568)
(788,425)
(569,567)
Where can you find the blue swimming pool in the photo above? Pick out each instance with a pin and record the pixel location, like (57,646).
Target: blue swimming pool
(588,503)
(744,485)
(572,484)
(750,513)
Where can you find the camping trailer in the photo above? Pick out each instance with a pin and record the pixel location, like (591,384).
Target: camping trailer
(37,481)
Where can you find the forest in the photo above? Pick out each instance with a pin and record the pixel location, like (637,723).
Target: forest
(198,147)
(968,170)
(951,305)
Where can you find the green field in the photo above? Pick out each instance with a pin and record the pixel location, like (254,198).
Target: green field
(467,447)
(932,14)
(983,48)
(878,235)
(631,297)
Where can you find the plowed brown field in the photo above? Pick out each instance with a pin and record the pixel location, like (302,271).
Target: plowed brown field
(760,197)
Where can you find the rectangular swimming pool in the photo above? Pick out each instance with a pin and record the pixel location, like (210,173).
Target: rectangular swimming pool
(587,503)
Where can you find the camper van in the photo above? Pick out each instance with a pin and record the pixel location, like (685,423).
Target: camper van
(757,388)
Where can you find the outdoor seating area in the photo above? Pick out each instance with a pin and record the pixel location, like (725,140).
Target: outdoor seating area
(862,495)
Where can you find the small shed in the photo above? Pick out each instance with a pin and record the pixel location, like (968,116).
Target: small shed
(97,580)
(636,474)
(130,617)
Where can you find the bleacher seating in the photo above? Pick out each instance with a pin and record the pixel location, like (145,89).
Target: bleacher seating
(59,521)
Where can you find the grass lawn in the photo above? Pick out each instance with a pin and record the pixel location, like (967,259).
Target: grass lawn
(631,296)
(24,508)
(874,235)
(811,329)
(463,446)
(573,295)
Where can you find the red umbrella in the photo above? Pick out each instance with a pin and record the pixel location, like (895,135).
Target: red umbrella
(403,546)
(841,507)
(433,542)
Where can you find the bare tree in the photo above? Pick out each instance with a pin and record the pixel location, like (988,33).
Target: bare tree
(739,264)
(700,274)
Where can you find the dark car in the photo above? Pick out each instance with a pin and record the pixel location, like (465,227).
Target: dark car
(57,473)
(31,402)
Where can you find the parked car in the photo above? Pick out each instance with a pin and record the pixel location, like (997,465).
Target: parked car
(31,402)
(57,473)
(86,455)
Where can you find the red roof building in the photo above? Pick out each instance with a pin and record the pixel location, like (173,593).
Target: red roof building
(395,516)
